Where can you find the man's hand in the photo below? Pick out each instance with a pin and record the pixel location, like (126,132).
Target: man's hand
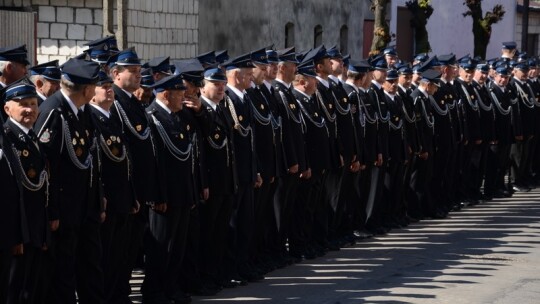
(258,181)
(293,169)
(54,225)
(355,166)
(135,208)
(193,103)
(423,155)
(102,216)
(379,161)
(306,174)
(205,194)
(18,249)
(161,207)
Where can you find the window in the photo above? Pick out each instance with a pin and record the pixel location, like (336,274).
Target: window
(317,36)
(532,44)
(344,39)
(289,34)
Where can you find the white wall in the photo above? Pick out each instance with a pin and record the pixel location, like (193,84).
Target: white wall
(449,31)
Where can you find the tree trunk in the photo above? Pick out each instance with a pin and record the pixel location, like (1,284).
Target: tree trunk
(381,35)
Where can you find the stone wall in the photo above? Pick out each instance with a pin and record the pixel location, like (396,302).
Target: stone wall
(245,25)
(163,28)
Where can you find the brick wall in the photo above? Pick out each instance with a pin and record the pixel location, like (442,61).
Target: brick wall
(163,28)
(155,28)
(65,25)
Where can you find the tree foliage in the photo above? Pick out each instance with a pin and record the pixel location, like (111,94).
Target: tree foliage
(381,30)
(421,11)
(482,24)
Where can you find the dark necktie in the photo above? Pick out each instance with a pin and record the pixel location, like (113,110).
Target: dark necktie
(33,137)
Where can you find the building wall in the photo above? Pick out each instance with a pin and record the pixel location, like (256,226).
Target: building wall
(534,28)
(155,28)
(163,28)
(245,25)
(449,31)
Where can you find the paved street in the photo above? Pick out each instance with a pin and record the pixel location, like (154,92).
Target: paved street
(489,253)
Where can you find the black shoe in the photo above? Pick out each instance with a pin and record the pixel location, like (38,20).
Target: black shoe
(180,297)
(157,298)
(520,188)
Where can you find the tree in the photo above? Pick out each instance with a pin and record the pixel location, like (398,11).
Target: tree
(381,31)
(482,25)
(421,11)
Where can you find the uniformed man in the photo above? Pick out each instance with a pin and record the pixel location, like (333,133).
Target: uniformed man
(13,66)
(444,141)
(397,152)
(266,156)
(423,167)
(358,79)
(487,119)
(217,132)
(31,167)
(534,85)
(377,97)
(46,78)
(524,120)
(191,281)
(125,68)
(13,227)
(161,67)
(499,154)
(508,50)
(317,145)
(67,135)
(239,73)
(472,132)
(391,56)
(331,180)
(348,149)
(169,226)
(118,186)
(293,147)
(144,93)
(271,239)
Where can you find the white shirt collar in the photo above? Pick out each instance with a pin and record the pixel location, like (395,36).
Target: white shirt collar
(392,96)
(402,87)
(302,93)
(502,88)
(161,104)
(423,91)
(41,95)
(253,85)
(267,84)
(211,103)
(288,85)
(378,85)
(236,91)
(102,110)
(323,81)
(352,85)
(70,103)
(334,78)
(127,93)
(23,128)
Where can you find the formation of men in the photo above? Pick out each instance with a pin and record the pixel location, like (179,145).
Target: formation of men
(219,170)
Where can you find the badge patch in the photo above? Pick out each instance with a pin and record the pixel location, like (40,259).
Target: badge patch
(78,152)
(138,128)
(262,107)
(240,118)
(25,153)
(82,141)
(109,142)
(77,134)
(113,138)
(329,106)
(74,141)
(45,137)
(114,151)
(181,135)
(216,136)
